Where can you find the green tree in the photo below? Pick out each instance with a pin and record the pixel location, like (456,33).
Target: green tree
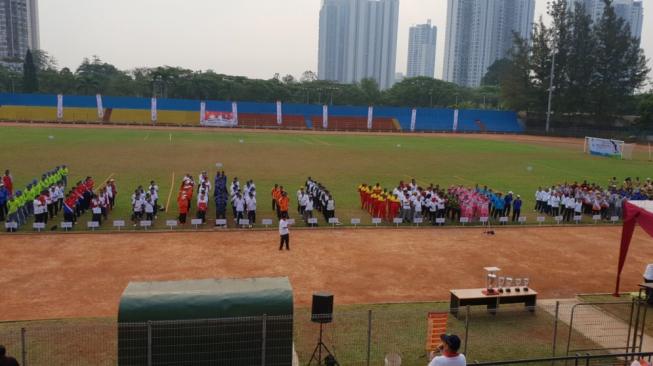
(517,89)
(30,78)
(371,90)
(620,65)
(580,68)
(646,110)
(496,72)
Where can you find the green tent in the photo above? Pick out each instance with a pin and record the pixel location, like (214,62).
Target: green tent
(206,322)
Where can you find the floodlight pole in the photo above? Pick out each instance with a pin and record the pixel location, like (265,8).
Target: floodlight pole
(551,87)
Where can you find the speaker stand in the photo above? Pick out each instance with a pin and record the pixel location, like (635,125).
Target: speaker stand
(317,352)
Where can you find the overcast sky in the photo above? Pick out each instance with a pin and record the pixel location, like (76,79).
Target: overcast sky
(255,38)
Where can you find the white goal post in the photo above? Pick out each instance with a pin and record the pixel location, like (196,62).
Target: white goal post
(608,148)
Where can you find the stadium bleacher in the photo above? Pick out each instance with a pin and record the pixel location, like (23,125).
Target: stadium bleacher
(254,120)
(356,123)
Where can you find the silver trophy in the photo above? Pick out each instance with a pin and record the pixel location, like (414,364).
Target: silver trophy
(526,282)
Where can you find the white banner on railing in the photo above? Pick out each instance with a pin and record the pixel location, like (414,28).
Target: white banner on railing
(325,116)
(100,107)
(60,106)
(202,112)
(234,112)
(413,120)
(279,113)
(153,110)
(370,117)
(604,147)
(455,120)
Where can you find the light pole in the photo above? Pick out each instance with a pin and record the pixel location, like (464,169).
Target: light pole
(554,49)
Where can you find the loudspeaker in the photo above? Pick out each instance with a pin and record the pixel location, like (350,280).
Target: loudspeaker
(322,309)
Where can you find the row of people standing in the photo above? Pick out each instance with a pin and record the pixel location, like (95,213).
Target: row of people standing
(145,203)
(315,196)
(20,205)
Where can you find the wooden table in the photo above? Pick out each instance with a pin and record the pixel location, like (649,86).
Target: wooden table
(464,297)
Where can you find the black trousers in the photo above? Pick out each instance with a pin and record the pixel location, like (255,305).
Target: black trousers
(3,211)
(285,239)
(251,215)
(515,215)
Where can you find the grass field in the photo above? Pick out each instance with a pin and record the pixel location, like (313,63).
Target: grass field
(340,161)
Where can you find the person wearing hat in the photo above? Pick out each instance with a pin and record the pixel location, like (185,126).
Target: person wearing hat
(516,208)
(449,355)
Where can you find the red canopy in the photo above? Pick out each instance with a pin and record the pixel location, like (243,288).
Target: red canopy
(635,212)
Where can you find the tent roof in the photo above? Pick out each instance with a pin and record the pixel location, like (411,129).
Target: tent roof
(646,205)
(205,299)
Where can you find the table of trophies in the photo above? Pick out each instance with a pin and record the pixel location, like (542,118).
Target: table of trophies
(499,290)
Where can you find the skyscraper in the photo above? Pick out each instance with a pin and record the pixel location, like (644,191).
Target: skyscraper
(358,39)
(19,27)
(421,50)
(480,32)
(630,11)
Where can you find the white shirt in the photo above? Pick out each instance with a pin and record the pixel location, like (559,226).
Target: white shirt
(149,206)
(283,227)
(251,204)
(240,204)
(448,361)
(309,206)
(331,205)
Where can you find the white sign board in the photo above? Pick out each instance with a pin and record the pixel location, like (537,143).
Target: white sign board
(171,224)
(418,220)
(541,219)
(66,225)
(220,222)
(355,221)
(464,220)
(558,219)
(614,219)
(196,222)
(119,224)
(503,220)
(11,225)
(291,221)
(397,220)
(146,224)
(266,222)
(578,218)
(440,220)
(604,147)
(243,222)
(484,220)
(93,225)
(312,221)
(376,220)
(596,218)
(334,221)
(38,226)
(522,219)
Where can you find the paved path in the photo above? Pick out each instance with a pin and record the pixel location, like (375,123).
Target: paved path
(596,324)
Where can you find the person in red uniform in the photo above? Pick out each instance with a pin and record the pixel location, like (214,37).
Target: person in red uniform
(8,182)
(182,202)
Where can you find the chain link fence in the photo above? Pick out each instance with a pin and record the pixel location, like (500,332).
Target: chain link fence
(358,336)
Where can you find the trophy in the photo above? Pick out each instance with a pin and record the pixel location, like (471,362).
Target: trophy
(502,282)
(508,283)
(517,284)
(526,283)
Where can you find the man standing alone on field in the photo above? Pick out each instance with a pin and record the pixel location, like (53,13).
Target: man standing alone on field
(284,234)
(6,360)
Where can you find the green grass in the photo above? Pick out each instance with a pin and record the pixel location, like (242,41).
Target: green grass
(513,333)
(340,162)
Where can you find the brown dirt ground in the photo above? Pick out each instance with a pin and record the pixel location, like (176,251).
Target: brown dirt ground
(83,275)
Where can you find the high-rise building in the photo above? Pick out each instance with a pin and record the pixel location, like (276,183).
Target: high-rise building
(631,11)
(421,50)
(480,32)
(19,27)
(358,39)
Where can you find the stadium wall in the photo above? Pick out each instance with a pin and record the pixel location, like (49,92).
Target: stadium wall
(42,107)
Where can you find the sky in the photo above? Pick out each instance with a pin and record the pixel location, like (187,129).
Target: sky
(254,38)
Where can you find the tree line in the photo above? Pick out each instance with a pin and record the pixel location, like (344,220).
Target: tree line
(93,76)
(597,67)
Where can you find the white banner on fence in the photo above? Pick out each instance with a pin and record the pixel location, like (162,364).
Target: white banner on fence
(279,115)
(413,120)
(60,106)
(234,112)
(153,110)
(370,117)
(325,116)
(202,112)
(100,107)
(604,147)
(455,120)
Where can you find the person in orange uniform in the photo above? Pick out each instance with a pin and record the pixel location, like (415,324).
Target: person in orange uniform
(182,202)
(276,194)
(284,202)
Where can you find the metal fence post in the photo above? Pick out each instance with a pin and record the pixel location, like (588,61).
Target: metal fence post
(149,343)
(636,327)
(555,328)
(263,338)
(23,347)
(369,335)
(468,310)
(641,333)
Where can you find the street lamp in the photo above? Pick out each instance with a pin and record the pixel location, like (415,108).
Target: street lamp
(551,87)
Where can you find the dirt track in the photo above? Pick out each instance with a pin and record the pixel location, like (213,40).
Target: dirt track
(83,275)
